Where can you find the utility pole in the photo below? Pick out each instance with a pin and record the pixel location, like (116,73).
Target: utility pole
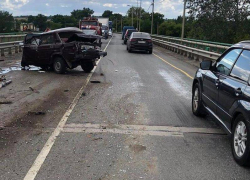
(132,16)
(137,15)
(183,19)
(140,17)
(152,23)
(116,25)
(121,24)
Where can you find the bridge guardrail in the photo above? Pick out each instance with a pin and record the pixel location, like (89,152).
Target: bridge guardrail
(191,52)
(10,38)
(10,46)
(198,44)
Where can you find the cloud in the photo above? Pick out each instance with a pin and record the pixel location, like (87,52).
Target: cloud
(13,4)
(109,5)
(47,4)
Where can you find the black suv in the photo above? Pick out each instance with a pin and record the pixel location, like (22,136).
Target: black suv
(61,49)
(222,89)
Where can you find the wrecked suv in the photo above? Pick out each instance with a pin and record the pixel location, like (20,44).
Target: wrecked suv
(62,48)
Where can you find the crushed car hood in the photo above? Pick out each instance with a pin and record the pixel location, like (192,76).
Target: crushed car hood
(80,37)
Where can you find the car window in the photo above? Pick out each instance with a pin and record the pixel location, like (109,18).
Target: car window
(225,64)
(47,39)
(241,68)
(35,41)
(141,35)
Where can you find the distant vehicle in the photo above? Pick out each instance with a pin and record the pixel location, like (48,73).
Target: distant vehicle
(104,21)
(110,25)
(222,89)
(140,41)
(91,23)
(110,32)
(127,34)
(61,49)
(89,32)
(105,31)
(125,29)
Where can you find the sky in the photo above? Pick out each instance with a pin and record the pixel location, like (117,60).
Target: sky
(170,8)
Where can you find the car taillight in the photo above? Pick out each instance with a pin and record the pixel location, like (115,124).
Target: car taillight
(149,40)
(132,40)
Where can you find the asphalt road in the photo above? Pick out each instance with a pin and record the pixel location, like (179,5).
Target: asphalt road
(130,119)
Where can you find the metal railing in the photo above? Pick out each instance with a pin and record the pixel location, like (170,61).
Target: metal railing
(11,38)
(197,44)
(10,46)
(197,50)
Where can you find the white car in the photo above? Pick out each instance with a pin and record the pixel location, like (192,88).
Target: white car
(110,33)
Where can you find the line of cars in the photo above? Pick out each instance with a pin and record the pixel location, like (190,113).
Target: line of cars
(137,41)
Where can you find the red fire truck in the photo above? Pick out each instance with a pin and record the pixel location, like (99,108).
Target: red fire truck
(91,23)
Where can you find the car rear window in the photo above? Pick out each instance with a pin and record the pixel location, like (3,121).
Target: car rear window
(65,35)
(130,31)
(141,35)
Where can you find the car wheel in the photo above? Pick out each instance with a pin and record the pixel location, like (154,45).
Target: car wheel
(87,67)
(129,50)
(23,62)
(59,65)
(150,52)
(197,106)
(240,141)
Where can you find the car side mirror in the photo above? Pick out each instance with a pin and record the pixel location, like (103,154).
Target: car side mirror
(206,65)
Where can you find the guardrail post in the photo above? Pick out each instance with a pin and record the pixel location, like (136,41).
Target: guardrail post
(10,52)
(16,49)
(20,48)
(2,52)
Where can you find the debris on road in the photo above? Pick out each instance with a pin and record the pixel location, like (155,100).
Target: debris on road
(66,90)
(1,59)
(95,81)
(36,113)
(5,102)
(101,74)
(95,139)
(41,71)
(34,90)
(4,82)
(116,70)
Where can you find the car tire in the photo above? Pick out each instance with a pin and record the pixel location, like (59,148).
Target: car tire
(197,106)
(129,50)
(124,42)
(23,62)
(240,131)
(87,67)
(150,51)
(59,65)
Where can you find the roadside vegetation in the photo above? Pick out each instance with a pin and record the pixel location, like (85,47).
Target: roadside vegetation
(211,20)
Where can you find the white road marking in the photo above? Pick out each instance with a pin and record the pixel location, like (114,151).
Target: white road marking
(50,142)
(138,129)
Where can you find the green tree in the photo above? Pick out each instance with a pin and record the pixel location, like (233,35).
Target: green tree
(6,21)
(219,20)
(31,19)
(80,14)
(52,25)
(40,22)
(107,13)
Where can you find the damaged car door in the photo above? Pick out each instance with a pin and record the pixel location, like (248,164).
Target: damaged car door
(46,48)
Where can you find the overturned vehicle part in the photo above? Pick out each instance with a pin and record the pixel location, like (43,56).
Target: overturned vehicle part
(61,49)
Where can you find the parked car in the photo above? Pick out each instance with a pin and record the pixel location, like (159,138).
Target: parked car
(89,31)
(140,41)
(127,34)
(124,29)
(61,49)
(222,89)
